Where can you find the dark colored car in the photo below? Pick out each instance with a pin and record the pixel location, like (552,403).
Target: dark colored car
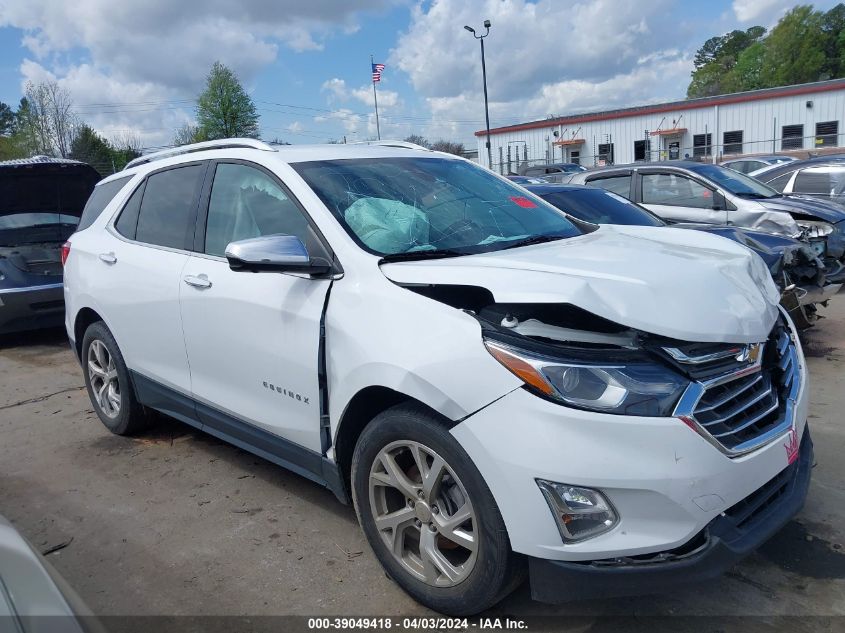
(791,262)
(822,177)
(41,202)
(553,172)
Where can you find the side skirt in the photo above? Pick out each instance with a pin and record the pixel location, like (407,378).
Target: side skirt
(273,448)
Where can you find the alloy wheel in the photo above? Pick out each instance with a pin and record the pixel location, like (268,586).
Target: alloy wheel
(102,375)
(423,513)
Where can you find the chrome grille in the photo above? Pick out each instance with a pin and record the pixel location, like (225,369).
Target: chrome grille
(744,409)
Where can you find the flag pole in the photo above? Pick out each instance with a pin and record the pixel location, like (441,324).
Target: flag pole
(375,100)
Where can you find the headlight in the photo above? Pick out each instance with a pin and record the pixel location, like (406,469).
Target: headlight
(637,388)
(580,513)
(815,228)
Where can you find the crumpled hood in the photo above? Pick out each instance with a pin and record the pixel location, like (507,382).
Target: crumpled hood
(822,209)
(686,285)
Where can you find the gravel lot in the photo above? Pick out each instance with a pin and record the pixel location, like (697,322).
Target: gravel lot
(177,522)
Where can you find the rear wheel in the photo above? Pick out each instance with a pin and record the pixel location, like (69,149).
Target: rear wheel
(429,516)
(108,383)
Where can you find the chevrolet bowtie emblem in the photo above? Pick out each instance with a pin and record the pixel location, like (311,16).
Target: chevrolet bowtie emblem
(750,353)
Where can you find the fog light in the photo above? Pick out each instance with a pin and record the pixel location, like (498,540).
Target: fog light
(580,513)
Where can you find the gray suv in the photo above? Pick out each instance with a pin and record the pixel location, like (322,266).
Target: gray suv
(685,191)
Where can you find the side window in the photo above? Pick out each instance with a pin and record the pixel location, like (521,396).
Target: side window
(165,217)
(245,202)
(675,190)
(99,200)
(127,222)
(620,185)
(824,181)
(779,183)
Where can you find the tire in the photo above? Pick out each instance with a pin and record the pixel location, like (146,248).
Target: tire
(481,568)
(106,374)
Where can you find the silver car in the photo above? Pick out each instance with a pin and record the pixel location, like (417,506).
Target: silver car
(685,191)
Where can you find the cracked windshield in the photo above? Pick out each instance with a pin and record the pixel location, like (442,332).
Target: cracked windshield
(421,207)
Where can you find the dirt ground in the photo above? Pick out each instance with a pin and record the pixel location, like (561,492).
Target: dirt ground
(178,522)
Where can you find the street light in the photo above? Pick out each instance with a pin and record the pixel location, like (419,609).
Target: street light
(480,38)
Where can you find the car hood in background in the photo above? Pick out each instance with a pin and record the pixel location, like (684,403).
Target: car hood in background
(682,284)
(822,209)
(45,185)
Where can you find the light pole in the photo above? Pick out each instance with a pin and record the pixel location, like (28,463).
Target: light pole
(480,38)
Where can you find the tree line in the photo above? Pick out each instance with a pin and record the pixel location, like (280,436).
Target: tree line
(806,45)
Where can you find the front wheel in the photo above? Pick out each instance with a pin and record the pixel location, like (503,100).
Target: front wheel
(428,514)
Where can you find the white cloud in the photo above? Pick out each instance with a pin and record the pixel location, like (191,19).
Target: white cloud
(161,50)
(295,127)
(542,58)
(754,10)
(339,91)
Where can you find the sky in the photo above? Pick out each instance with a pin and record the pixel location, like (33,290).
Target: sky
(136,68)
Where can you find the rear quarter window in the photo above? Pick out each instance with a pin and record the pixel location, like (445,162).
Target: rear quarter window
(100,198)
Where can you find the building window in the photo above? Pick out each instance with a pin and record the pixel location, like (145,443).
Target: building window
(606,153)
(701,145)
(792,137)
(827,133)
(642,150)
(575,157)
(733,142)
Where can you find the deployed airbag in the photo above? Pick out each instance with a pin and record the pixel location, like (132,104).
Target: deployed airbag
(388,226)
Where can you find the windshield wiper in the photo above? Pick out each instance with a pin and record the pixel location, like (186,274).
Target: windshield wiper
(536,239)
(438,253)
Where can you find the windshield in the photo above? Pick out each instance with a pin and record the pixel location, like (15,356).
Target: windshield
(428,206)
(600,207)
(735,182)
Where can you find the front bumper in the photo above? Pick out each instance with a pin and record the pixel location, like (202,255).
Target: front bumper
(31,308)
(726,540)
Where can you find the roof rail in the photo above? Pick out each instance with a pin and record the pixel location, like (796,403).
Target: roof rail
(404,144)
(223,143)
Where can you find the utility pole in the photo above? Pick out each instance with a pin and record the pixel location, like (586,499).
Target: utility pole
(484,77)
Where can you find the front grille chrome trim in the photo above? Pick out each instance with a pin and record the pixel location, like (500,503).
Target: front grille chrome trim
(687,408)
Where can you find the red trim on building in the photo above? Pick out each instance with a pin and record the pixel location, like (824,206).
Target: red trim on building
(672,132)
(741,97)
(571,141)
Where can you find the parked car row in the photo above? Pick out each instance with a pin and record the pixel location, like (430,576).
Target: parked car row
(588,398)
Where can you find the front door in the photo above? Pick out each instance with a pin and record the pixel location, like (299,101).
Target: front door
(253,338)
(676,197)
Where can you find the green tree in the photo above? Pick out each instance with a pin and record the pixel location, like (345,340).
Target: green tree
(716,58)
(794,50)
(224,109)
(89,147)
(449,147)
(7,119)
(417,139)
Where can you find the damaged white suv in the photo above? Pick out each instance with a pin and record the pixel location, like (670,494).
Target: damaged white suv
(500,389)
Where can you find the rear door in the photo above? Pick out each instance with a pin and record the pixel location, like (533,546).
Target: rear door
(139,269)
(253,339)
(677,197)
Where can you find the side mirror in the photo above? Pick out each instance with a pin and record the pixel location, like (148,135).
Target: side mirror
(274,253)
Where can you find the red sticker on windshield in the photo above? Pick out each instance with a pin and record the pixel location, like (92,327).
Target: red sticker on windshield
(525,203)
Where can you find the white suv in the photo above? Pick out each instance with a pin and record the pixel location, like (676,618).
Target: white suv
(499,388)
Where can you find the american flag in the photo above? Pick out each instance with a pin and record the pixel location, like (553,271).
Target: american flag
(377,68)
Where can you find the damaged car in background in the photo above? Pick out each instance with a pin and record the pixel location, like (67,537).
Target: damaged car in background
(41,201)
(686,191)
(795,267)
(500,389)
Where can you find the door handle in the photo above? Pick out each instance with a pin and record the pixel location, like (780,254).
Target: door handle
(197,281)
(109,258)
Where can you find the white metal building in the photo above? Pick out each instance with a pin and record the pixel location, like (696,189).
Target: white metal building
(802,118)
